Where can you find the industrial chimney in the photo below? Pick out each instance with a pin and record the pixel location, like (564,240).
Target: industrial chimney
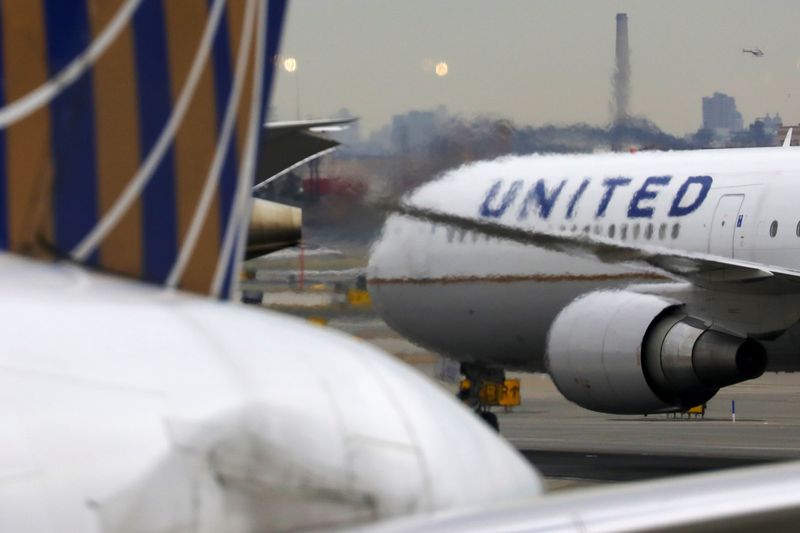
(621,81)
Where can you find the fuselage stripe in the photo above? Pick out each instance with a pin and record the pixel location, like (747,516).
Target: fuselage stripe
(28,158)
(74,149)
(153,83)
(195,141)
(275,17)
(118,151)
(223,69)
(545,278)
(4,222)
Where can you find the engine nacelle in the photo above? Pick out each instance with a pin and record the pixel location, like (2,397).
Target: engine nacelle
(628,353)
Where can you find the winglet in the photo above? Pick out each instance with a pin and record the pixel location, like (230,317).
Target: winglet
(787,142)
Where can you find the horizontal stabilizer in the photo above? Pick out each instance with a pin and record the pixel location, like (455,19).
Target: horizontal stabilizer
(292,144)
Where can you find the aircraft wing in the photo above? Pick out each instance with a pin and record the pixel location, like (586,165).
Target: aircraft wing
(700,269)
(294,143)
(756,498)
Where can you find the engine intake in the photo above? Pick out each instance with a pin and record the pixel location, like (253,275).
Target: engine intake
(629,353)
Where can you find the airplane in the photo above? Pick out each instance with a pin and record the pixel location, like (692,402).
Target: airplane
(135,395)
(131,404)
(641,283)
(275,226)
(756,52)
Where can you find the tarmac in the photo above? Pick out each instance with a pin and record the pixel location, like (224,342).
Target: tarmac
(574,447)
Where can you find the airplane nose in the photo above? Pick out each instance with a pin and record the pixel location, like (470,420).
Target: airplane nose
(373,437)
(330,433)
(393,438)
(394,445)
(386,257)
(327,433)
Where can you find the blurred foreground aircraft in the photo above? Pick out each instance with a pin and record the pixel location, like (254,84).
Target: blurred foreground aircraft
(125,407)
(128,136)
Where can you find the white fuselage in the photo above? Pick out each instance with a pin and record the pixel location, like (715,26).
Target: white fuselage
(130,408)
(492,301)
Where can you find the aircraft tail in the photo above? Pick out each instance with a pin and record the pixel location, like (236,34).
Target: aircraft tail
(128,132)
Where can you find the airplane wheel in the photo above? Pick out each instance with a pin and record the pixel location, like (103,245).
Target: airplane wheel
(491,419)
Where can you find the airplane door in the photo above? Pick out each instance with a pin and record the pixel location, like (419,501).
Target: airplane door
(723,227)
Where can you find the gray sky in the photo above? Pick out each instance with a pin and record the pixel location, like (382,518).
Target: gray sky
(539,62)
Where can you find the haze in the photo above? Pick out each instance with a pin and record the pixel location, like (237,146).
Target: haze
(537,62)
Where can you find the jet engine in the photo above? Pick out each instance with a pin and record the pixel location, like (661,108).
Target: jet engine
(628,353)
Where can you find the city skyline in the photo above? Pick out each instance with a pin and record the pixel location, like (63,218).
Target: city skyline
(536,63)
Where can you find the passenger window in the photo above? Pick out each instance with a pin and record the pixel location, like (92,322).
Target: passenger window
(773,228)
(587,229)
(611,231)
(676,229)
(623,231)
(648,232)
(662,232)
(797,230)
(637,229)
(598,229)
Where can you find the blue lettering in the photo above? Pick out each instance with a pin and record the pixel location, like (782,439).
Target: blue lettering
(610,184)
(636,211)
(487,210)
(538,193)
(575,197)
(678,210)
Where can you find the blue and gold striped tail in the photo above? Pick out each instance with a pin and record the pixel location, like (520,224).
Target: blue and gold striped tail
(128,132)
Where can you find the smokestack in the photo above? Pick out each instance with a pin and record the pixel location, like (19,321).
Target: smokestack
(622,72)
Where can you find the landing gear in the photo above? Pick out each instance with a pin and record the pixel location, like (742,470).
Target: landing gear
(476,387)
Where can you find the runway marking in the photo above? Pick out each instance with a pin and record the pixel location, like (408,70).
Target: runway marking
(706,447)
(543,278)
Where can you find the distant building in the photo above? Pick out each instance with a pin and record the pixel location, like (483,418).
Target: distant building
(771,124)
(720,114)
(416,128)
(412,130)
(782,135)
